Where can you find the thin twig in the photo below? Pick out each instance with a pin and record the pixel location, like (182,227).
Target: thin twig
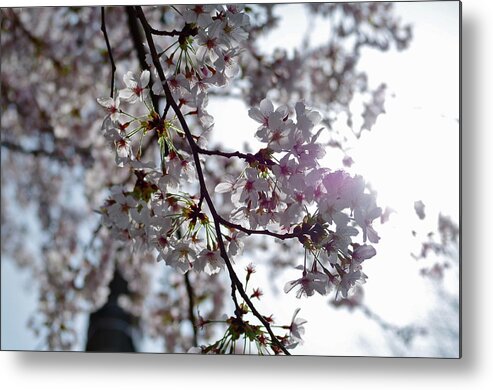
(191,306)
(141,54)
(224,154)
(110,53)
(264,232)
(173,33)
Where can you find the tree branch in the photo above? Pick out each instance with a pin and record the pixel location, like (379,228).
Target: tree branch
(110,53)
(141,54)
(224,154)
(173,33)
(191,305)
(264,232)
(236,283)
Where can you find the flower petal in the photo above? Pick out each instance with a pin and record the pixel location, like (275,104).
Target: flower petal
(290,285)
(144,78)
(266,107)
(129,80)
(106,102)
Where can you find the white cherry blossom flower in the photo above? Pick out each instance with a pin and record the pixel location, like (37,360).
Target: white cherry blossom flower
(112,106)
(181,257)
(209,261)
(228,185)
(136,90)
(309,283)
(265,110)
(252,186)
(363,252)
(226,66)
(296,328)
(349,280)
(233,28)
(235,243)
(123,151)
(306,119)
(209,43)
(118,212)
(200,15)
(339,240)
(364,217)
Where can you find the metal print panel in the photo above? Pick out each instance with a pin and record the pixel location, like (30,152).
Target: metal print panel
(264,179)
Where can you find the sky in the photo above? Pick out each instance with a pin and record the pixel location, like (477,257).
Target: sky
(411,154)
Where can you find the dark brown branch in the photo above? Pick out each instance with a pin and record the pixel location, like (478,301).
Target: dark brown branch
(187,31)
(141,54)
(285,236)
(224,154)
(236,283)
(110,53)
(191,306)
(173,33)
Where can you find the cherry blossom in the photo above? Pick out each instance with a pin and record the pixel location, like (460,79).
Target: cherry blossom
(363,252)
(152,191)
(309,283)
(136,90)
(296,328)
(208,260)
(180,257)
(113,107)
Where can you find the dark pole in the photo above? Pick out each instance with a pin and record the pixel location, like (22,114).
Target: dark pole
(111,327)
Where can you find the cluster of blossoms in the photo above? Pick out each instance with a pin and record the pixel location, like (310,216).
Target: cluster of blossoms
(283,185)
(54,139)
(240,334)
(157,213)
(204,55)
(285,188)
(282,189)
